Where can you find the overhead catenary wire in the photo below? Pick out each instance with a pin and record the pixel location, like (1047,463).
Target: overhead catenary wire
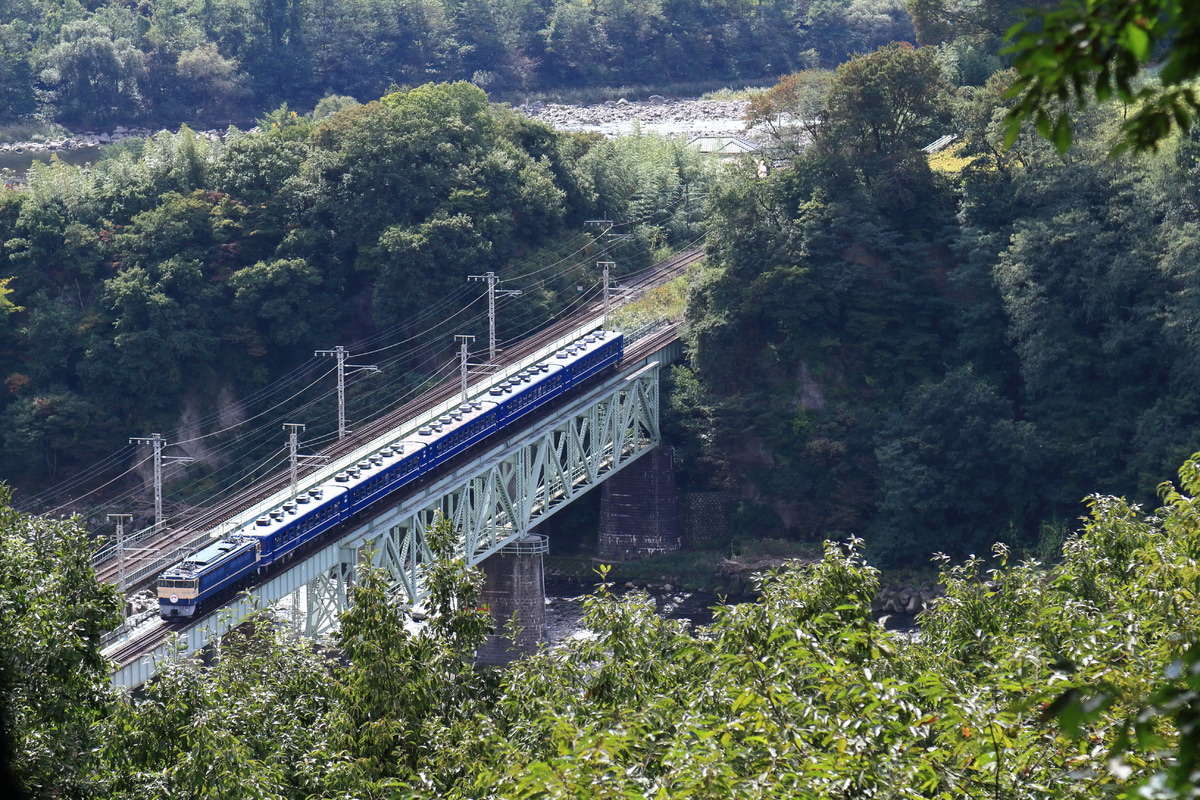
(117,457)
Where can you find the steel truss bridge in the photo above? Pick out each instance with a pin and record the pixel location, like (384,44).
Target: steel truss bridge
(493,497)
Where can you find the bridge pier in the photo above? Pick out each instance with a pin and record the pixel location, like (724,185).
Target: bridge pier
(515,583)
(639,509)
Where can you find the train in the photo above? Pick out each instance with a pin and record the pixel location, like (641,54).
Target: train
(218,570)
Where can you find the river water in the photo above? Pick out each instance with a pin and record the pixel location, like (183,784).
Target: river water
(19,163)
(564,607)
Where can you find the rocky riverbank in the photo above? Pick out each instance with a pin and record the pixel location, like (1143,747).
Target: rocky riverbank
(615,117)
(657,113)
(902,596)
(78,141)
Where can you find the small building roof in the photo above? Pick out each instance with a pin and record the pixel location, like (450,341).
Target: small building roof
(724,145)
(938,144)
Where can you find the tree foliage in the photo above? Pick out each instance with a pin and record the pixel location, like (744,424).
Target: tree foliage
(1027,681)
(1096,51)
(213,60)
(853,286)
(54,689)
(182,272)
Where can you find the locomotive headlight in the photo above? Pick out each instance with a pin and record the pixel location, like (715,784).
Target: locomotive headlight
(174,598)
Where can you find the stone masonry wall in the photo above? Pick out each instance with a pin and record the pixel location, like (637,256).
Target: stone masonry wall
(514,582)
(639,509)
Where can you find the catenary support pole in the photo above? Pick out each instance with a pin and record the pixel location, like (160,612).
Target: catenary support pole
(342,354)
(121,520)
(463,356)
(294,429)
(156,440)
(606,265)
(490,277)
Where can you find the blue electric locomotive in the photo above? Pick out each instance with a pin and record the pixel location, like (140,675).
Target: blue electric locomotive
(221,568)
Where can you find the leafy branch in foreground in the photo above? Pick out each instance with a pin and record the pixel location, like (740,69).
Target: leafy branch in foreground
(1100,48)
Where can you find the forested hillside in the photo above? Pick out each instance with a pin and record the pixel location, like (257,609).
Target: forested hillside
(184,284)
(98,62)
(941,352)
(932,352)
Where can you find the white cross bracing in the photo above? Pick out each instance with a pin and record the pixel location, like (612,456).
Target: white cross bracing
(500,497)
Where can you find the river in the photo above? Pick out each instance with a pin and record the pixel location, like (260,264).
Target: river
(19,163)
(668,117)
(564,607)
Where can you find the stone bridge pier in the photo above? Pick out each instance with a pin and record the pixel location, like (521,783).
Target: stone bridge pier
(514,584)
(639,509)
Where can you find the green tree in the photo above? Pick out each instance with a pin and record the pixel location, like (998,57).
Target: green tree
(424,261)
(214,730)
(792,111)
(576,44)
(282,296)
(54,685)
(940,21)
(55,433)
(164,322)
(16,72)
(210,84)
(958,473)
(97,77)
(1078,53)
(333,103)
(887,102)
(404,697)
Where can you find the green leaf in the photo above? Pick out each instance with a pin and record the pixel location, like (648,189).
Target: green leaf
(1064,133)
(1137,40)
(1068,709)
(1044,127)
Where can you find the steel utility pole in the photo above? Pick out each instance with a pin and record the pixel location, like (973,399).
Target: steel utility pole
(157,440)
(342,354)
(463,355)
(293,429)
(121,520)
(606,265)
(491,282)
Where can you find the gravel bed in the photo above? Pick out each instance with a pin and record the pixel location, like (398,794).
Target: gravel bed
(660,114)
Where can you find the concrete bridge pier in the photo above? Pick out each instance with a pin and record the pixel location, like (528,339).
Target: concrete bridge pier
(639,509)
(514,582)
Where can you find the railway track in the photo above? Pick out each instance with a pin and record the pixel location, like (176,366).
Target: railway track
(182,536)
(143,639)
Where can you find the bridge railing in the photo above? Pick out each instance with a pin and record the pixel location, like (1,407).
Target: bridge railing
(642,331)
